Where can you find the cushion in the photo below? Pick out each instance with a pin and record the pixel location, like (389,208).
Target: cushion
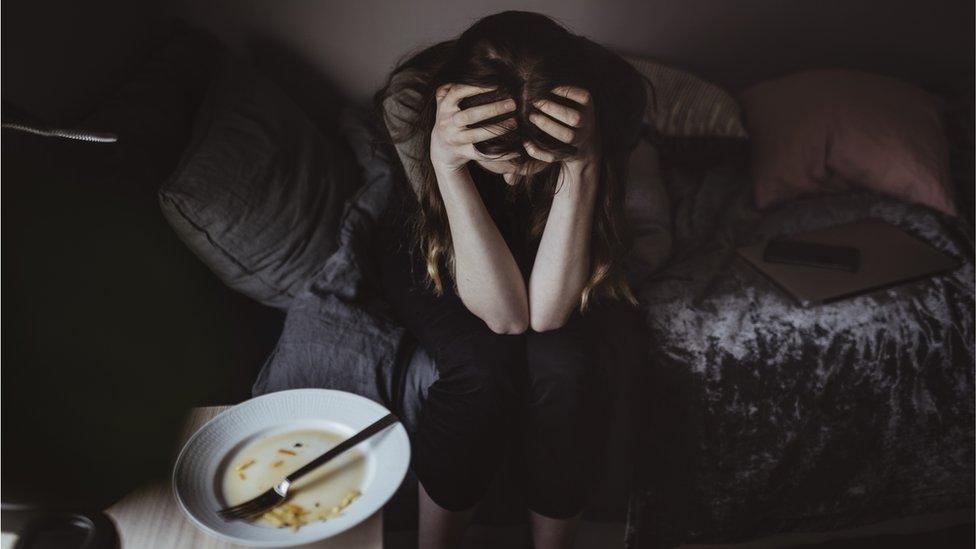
(833,130)
(648,213)
(258,192)
(680,104)
(336,334)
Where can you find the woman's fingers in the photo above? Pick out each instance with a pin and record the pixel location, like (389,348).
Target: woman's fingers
(537,153)
(573,93)
(553,128)
(483,112)
(562,113)
(457,92)
(475,135)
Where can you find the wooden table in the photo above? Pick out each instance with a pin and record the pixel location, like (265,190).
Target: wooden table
(150,517)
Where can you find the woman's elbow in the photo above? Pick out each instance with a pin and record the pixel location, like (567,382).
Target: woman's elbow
(513,326)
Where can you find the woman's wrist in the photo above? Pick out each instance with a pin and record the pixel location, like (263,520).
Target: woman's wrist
(582,171)
(441,166)
(451,180)
(448,170)
(579,180)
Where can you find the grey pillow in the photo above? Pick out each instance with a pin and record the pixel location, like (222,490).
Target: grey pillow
(259,191)
(338,333)
(647,209)
(681,104)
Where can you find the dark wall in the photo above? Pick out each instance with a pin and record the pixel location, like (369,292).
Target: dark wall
(59,56)
(735,42)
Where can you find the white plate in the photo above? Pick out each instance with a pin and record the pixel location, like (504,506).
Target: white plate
(198,469)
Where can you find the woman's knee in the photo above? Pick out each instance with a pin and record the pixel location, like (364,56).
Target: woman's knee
(562,363)
(572,346)
(484,367)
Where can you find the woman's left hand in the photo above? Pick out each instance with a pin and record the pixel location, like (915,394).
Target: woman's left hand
(573,126)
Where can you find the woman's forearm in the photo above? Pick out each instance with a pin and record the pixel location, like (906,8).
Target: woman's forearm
(562,264)
(488,280)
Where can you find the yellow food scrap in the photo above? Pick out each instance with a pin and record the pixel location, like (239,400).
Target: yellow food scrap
(242,476)
(349,498)
(294,516)
(277,463)
(273,519)
(289,515)
(287,452)
(244,465)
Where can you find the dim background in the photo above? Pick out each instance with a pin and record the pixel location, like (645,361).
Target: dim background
(59,56)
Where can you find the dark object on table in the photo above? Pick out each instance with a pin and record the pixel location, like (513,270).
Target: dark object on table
(812,254)
(59,530)
(890,257)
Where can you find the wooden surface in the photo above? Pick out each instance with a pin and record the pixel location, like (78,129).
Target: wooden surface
(150,517)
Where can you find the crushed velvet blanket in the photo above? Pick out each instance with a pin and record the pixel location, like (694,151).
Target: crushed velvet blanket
(767,417)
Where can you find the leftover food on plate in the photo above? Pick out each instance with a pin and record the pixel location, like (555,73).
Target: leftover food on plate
(321,495)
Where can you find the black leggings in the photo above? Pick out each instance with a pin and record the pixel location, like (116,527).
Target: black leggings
(545,389)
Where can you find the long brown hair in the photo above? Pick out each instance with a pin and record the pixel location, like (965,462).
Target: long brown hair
(525,55)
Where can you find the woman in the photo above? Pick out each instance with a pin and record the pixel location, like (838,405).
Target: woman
(504,258)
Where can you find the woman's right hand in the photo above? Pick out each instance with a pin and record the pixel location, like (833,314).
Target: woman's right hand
(451,142)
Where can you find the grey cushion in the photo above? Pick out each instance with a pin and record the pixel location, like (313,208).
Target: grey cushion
(337,334)
(681,104)
(648,213)
(259,191)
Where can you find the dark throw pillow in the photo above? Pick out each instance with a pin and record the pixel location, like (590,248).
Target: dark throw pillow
(259,191)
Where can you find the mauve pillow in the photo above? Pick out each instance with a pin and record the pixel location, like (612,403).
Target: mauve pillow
(259,191)
(832,130)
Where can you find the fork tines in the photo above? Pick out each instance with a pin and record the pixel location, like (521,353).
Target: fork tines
(252,508)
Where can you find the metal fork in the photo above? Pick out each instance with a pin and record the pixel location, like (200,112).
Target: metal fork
(279,493)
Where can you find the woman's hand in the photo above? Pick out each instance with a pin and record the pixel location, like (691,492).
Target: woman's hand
(562,264)
(451,142)
(573,126)
(487,278)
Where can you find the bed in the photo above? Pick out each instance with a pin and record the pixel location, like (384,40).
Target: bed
(769,417)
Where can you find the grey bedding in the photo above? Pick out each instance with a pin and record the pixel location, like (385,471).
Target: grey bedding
(337,333)
(774,418)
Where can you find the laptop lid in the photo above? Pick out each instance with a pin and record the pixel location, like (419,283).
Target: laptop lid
(888,256)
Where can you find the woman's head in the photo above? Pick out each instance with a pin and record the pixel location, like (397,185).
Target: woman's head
(524,56)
